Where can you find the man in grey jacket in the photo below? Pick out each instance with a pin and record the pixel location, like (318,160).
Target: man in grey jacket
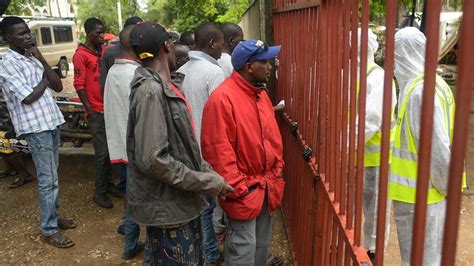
(167,176)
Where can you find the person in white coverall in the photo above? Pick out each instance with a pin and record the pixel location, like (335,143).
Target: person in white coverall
(373,141)
(410,46)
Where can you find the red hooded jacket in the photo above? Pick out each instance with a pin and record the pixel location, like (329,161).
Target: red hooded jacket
(241,140)
(86,75)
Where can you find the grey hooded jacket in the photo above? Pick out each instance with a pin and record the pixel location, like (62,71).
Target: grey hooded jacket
(166,174)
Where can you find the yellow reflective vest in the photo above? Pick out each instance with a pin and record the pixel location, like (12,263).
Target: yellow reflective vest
(373,146)
(404,168)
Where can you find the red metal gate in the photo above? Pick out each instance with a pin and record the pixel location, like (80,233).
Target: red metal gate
(317,79)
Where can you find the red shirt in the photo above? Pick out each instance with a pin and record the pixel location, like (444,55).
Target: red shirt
(87,75)
(240,138)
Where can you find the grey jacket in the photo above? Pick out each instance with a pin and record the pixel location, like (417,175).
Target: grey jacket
(166,174)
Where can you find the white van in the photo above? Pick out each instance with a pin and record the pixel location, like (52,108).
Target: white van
(55,38)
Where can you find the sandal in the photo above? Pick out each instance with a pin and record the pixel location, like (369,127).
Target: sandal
(275,260)
(19,182)
(66,224)
(8,174)
(58,240)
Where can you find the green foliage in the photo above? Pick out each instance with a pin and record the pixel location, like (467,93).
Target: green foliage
(235,11)
(185,15)
(18,7)
(106,10)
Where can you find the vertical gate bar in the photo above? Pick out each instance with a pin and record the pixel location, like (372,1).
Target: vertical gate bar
(323,129)
(391,17)
(340,247)
(334,241)
(322,88)
(464,85)
(339,19)
(329,90)
(424,155)
(319,235)
(329,230)
(333,93)
(347,257)
(311,58)
(345,102)
(353,85)
(325,232)
(361,115)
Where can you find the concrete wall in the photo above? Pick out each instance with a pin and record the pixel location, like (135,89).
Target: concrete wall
(250,22)
(256,22)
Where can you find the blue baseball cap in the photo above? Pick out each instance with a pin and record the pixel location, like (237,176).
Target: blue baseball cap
(252,50)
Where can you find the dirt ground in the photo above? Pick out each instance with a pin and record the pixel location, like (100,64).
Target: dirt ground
(98,243)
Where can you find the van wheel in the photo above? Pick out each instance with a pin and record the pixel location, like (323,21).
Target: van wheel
(62,68)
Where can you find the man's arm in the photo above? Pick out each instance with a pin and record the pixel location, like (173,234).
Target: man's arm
(374,104)
(15,81)
(81,92)
(152,148)
(38,91)
(53,78)
(440,149)
(215,80)
(218,135)
(80,74)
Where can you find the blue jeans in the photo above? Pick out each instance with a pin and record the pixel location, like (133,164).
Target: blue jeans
(210,242)
(44,148)
(174,246)
(132,229)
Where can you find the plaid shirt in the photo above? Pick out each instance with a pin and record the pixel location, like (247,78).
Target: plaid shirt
(18,76)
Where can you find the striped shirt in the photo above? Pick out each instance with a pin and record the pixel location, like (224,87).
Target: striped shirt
(18,76)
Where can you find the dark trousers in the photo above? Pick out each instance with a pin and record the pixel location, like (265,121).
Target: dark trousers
(102,161)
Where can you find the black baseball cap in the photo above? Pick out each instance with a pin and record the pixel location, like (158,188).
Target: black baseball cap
(147,38)
(132,21)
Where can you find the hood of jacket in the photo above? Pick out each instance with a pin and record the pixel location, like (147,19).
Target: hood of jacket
(410,45)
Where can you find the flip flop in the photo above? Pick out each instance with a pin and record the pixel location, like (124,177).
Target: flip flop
(19,182)
(66,224)
(8,174)
(58,240)
(275,260)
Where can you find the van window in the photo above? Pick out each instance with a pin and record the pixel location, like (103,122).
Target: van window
(62,34)
(46,36)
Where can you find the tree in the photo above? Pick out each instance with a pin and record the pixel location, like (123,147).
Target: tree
(106,10)
(18,7)
(186,15)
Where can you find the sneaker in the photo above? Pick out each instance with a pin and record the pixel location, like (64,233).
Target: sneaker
(103,201)
(133,254)
(121,229)
(115,192)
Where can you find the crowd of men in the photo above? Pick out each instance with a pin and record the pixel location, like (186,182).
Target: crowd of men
(191,131)
(182,140)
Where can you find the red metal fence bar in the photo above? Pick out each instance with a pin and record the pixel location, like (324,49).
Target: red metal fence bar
(318,78)
(464,87)
(391,19)
(427,110)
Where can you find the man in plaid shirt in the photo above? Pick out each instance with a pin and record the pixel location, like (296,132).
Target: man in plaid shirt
(25,77)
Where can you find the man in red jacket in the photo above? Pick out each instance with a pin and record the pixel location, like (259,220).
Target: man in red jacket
(86,81)
(241,140)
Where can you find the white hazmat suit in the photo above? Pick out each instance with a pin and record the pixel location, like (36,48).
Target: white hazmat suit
(373,124)
(410,46)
